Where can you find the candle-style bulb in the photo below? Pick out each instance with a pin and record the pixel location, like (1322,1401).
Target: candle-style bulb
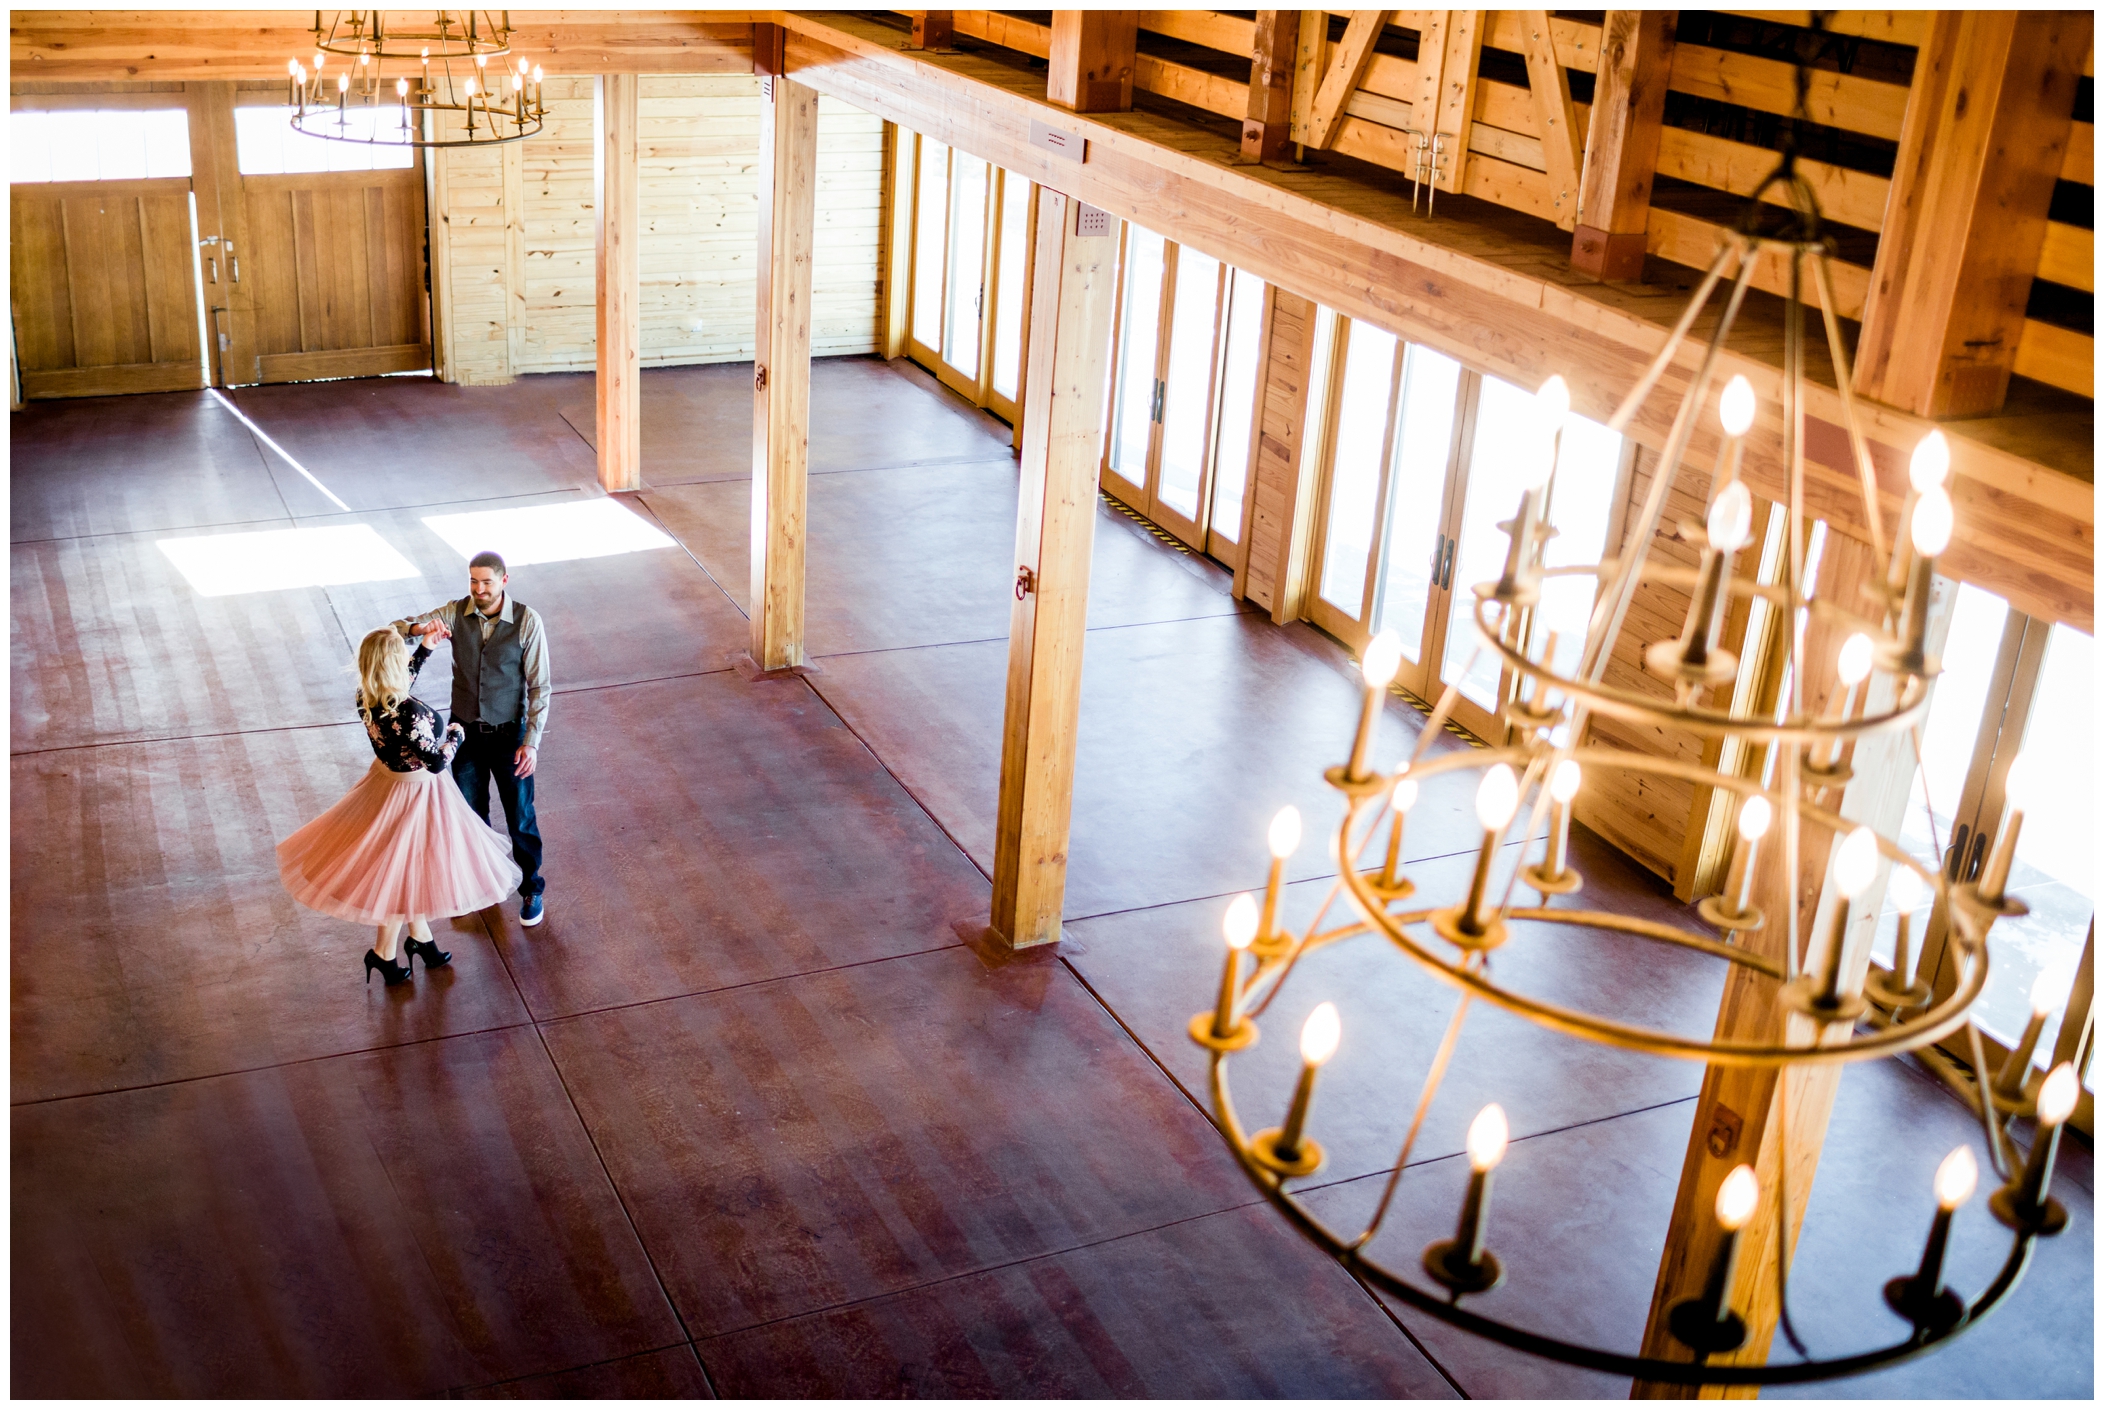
(319,59)
(292,68)
(1854,665)
(482,61)
(1857,863)
(1405,794)
(2050,990)
(1956,1177)
(1552,403)
(1487,1136)
(1284,836)
(536,73)
(365,61)
(401,88)
(1497,797)
(1319,1035)
(343,83)
(1930,463)
(1735,407)
(2056,1098)
(1564,783)
(1754,817)
(1383,658)
(469,86)
(1731,518)
(1931,530)
(1904,890)
(517,83)
(1736,1198)
(1240,923)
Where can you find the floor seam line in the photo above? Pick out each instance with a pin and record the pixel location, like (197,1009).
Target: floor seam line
(939,1281)
(567,1370)
(746,984)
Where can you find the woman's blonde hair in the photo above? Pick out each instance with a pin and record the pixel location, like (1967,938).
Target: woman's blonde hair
(383,670)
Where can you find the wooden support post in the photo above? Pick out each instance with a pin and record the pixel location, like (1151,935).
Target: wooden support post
(1346,70)
(900,148)
(1311,55)
(1750,1116)
(1267,125)
(620,286)
(782,371)
(932,30)
(1980,148)
(222,212)
(1073,306)
(1621,145)
(1280,509)
(1092,60)
(1561,150)
(1449,95)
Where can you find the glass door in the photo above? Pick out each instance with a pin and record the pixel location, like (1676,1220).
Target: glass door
(968,313)
(1183,393)
(1501,440)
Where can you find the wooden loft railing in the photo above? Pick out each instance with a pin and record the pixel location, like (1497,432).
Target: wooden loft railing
(1483,67)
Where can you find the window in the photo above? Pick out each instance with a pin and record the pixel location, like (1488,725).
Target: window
(266,145)
(99,145)
(1424,447)
(1360,437)
(1238,403)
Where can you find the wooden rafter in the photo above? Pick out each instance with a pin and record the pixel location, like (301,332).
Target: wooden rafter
(1347,68)
(1562,152)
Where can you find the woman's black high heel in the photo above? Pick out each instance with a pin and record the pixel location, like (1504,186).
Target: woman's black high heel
(428,952)
(391,971)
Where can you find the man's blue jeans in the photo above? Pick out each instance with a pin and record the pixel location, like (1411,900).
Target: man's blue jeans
(487,755)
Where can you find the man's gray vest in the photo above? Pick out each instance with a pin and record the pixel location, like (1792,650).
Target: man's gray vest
(489,677)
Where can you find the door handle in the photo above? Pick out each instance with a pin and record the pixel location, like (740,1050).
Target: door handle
(1438,555)
(1160,389)
(1446,580)
(1954,859)
(1975,856)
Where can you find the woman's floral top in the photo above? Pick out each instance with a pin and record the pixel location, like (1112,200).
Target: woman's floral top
(408,737)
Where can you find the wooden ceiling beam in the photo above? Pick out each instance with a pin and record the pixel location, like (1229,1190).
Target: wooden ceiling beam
(2026,532)
(85,46)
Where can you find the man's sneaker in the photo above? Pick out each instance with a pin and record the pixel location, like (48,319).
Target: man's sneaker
(530,911)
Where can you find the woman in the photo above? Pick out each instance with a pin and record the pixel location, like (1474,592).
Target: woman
(402,846)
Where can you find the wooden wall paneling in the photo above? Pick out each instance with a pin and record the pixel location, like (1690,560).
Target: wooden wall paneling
(617,331)
(787,241)
(1982,146)
(471,248)
(1073,310)
(1622,143)
(1849,101)
(1091,63)
(335,274)
(1561,145)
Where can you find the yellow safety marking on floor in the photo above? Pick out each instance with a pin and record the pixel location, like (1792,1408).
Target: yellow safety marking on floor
(1144,522)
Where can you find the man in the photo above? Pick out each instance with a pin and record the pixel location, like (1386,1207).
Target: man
(500,696)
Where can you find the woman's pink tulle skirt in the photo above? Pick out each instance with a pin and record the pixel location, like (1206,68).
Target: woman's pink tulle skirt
(398,847)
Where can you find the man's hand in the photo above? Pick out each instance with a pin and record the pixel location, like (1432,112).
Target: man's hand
(522,762)
(432,632)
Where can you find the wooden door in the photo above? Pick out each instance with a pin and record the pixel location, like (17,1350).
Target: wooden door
(105,288)
(336,274)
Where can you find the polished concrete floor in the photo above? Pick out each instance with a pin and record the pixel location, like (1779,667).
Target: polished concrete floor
(748,1115)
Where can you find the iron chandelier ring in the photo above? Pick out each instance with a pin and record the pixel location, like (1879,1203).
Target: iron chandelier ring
(1625,705)
(1935,1023)
(1447,1308)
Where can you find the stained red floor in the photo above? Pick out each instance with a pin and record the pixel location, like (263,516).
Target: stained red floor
(745,1116)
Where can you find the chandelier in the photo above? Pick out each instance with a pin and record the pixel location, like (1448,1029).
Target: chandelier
(1533,777)
(371,83)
